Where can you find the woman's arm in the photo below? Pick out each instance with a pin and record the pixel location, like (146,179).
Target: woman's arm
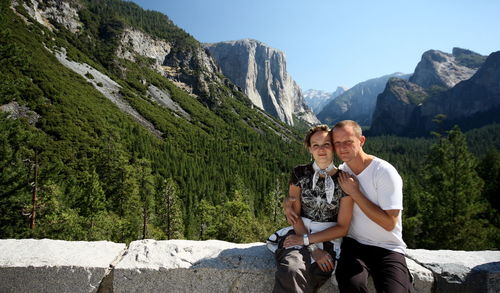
(337,231)
(343,222)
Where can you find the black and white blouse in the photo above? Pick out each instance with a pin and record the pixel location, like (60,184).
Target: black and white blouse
(314,204)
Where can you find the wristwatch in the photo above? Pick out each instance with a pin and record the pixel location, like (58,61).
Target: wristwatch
(306,239)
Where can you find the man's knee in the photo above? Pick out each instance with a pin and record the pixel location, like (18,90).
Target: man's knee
(352,277)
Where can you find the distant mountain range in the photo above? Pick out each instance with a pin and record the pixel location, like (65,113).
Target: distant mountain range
(318,99)
(357,103)
(460,88)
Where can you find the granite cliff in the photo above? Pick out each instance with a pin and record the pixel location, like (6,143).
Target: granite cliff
(260,71)
(461,86)
(437,68)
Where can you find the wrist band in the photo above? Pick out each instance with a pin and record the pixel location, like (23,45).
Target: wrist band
(306,239)
(312,247)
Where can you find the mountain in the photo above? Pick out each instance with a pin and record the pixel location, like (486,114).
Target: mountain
(460,89)
(260,71)
(109,113)
(356,103)
(317,99)
(441,69)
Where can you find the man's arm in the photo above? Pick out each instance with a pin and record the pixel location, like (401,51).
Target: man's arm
(387,219)
(292,206)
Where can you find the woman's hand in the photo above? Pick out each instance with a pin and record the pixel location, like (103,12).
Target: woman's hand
(292,240)
(324,260)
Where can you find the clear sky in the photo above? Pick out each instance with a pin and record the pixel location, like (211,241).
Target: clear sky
(330,43)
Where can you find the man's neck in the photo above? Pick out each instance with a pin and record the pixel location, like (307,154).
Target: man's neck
(358,164)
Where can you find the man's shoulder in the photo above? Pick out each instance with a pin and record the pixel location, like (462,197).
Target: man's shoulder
(381,164)
(383,168)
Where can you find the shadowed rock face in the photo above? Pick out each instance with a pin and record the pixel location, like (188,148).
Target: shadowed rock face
(260,71)
(395,106)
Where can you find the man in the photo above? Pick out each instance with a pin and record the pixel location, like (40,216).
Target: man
(374,243)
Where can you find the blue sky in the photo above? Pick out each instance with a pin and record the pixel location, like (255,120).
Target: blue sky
(330,43)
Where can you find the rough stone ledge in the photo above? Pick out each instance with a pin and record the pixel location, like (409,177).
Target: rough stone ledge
(46,265)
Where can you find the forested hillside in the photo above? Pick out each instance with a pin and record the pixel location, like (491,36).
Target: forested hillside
(75,166)
(97,173)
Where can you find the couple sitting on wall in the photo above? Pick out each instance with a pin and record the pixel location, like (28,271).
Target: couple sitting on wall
(361,200)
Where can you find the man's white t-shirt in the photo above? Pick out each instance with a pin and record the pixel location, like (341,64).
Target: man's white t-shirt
(382,185)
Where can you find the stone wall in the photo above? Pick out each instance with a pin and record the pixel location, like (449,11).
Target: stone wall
(29,265)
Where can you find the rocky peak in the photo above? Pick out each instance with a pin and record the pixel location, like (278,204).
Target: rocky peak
(260,71)
(437,68)
(468,58)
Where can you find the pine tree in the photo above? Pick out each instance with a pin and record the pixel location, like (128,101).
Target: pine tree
(273,202)
(452,202)
(207,215)
(170,212)
(145,193)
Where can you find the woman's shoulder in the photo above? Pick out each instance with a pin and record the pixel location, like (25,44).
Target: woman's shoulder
(303,170)
(303,167)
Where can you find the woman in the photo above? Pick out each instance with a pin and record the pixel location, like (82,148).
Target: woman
(306,252)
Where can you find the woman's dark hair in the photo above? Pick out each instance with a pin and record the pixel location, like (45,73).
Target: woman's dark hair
(312,131)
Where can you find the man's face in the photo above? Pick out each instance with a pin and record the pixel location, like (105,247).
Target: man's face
(347,145)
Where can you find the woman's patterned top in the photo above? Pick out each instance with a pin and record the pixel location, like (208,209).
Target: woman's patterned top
(313,202)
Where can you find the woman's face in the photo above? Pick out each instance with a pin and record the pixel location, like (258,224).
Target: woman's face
(321,147)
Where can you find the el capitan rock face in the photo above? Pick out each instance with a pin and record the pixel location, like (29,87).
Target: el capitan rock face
(260,71)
